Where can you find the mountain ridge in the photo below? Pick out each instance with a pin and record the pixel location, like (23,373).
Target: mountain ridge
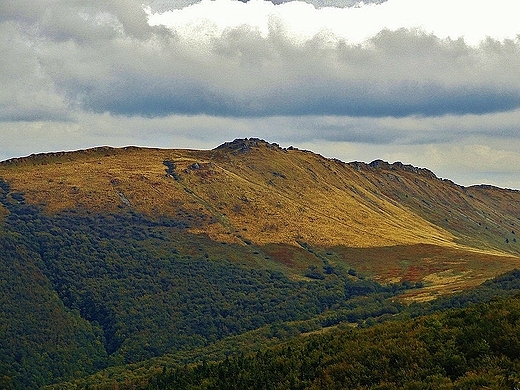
(251,191)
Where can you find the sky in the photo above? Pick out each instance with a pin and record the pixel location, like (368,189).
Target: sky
(433,83)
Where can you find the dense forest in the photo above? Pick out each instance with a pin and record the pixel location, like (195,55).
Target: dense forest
(286,356)
(473,348)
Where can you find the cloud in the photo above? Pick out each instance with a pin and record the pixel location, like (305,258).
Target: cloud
(27,93)
(376,79)
(227,58)
(243,74)
(399,74)
(168,5)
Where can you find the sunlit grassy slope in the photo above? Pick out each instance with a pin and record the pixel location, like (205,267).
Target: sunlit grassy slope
(293,204)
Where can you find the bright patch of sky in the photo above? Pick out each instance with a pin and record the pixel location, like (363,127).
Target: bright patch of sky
(471,20)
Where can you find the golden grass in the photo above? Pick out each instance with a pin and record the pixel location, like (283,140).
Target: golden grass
(442,270)
(277,198)
(267,196)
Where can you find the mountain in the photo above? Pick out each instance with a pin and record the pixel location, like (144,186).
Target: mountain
(113,256)
(252,192)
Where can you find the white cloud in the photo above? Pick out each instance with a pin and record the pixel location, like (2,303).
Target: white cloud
(472,20)
(228,58)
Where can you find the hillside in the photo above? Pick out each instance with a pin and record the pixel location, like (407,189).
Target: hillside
(253,192)
(241,191)
(114,256)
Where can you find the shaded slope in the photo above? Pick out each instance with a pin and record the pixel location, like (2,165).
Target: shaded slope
(473,348)
(41,339)
(145,373)
(479,216)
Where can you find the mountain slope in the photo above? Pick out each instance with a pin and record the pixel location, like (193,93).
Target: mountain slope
(480,216)
(250,182)
(252,192)
(277,195)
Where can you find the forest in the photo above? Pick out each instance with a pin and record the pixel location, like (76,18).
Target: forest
(473,348)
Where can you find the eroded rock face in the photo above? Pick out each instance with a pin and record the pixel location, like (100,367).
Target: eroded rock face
(396,166)
(244,145)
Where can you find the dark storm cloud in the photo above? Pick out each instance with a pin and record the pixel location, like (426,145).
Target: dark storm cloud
(162,97)
(410,131)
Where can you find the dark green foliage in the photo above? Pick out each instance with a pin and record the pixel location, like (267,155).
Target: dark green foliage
(477,347)
(41,340)
(314,273)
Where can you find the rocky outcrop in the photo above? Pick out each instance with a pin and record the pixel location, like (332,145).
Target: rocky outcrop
(244,145)
(170,169)
(396,166)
